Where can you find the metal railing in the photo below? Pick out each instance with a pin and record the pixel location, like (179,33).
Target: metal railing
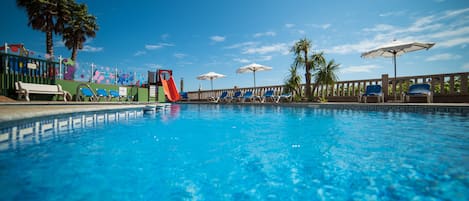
(15,68)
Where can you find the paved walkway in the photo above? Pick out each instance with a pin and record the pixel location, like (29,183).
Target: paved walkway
(17,111)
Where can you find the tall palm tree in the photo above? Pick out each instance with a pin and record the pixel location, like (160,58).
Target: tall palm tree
(317,60)
(48,16)
(81,26)
(293,82)
(327,74)
(301,49)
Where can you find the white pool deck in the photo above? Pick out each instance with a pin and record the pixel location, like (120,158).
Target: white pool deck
(11,111)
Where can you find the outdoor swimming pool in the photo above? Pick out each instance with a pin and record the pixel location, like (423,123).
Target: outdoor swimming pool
(238,152)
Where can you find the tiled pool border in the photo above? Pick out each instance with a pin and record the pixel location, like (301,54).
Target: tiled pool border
(383,107)
(31,130)
(399,107)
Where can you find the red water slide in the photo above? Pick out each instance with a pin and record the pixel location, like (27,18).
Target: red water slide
(170,89)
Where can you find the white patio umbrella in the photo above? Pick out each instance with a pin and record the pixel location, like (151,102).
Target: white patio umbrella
(394,49)
(253,68)
(210,76)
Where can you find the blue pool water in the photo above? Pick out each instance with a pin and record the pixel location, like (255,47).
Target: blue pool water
(232,152)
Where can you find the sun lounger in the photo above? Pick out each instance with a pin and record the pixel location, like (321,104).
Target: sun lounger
(184,96)
(286,96)
(114,94)
(222,97)
(416,90)
(372,91)
(247,96)
(236,96)
(87,93)
(268,95)
(102,93)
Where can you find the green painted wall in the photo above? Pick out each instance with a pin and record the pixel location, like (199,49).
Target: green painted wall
(161,95)
(141,94)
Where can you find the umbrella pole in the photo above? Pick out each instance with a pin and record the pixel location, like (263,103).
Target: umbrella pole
(211,86)
(395,78)
(254,72)
(211,83)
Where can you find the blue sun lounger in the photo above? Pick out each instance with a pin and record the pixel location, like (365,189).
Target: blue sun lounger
(87,93)
(372,91)
(285,96)
(416,90)
(114,94)
(236,96)
(222,97)
(184,96)
(247,96)
(268,95)
(102,93)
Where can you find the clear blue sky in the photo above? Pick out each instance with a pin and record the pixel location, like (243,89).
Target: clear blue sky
(196,37)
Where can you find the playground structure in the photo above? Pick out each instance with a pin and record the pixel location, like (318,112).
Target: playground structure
(161,86)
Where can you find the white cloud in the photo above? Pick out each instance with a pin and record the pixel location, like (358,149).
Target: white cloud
(395,13)
(465,66)
(89,48)
(380,28)
(180,55)
(452,13)
(321,26)
(269,33)
(289,25)
(442,57)
(139,53)
(359,69)
(154,65)
(153,47)
(265,58)
(303,32)
(433,28)
(242,60)
(362,46)
(279,47)
(451,33)
(160,45)
(218,38)
(453,42)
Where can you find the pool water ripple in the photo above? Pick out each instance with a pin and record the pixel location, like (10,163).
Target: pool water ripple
(239,152)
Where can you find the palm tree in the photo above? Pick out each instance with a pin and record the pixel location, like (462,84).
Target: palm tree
(48,16)
(317,60)
(293,82)
(301,49)
(81,26)
(326,75)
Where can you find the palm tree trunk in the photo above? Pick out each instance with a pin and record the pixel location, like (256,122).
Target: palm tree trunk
(315,87)
(307,77)
(74,51)
(49,44)
(325,94)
